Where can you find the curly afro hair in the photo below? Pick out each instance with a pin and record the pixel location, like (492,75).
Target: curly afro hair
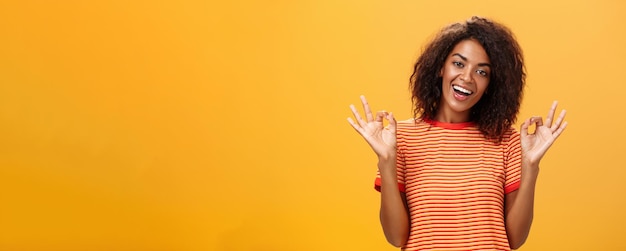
(497,109)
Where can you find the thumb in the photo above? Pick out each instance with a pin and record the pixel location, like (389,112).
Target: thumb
(392,121)
(524,128)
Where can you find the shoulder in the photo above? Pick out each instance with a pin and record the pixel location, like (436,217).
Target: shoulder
(511,134)
(511,138)
(410,125)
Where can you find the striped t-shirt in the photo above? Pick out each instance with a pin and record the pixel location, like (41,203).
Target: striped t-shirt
(455,181)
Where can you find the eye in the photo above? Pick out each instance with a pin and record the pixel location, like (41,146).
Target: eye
(483,73)
(458,64)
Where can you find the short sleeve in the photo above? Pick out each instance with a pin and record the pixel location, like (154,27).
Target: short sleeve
(513,162)
(400,169)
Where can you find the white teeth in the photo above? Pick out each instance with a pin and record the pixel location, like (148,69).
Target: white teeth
(461,89)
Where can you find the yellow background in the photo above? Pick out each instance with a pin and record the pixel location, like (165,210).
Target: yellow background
(193,125)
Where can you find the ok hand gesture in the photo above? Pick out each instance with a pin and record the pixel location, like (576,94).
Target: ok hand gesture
(381,139)
(535,145)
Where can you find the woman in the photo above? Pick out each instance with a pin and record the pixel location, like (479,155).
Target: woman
(457,175)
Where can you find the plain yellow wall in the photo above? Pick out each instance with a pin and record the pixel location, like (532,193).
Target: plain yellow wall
(194,125)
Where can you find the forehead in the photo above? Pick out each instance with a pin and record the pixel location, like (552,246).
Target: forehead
(471,50)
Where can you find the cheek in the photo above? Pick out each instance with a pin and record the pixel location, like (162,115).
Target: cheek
(482,89)
(483,84)
(447,77)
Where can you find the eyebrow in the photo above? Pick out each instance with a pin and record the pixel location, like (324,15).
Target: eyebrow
(465,59)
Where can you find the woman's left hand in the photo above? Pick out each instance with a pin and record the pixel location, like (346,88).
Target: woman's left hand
(535,145)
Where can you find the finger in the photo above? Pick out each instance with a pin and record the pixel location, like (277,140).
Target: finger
(538,121)
(551,113)
(380,115)
(524,128)
(557,123)
(354,125)
(366,107)
(560,130)
(357,116)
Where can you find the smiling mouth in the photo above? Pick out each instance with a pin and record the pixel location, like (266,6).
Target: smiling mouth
(461,90)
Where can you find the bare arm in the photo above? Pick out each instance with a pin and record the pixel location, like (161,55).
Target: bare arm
(394,216)
(519,208)
(393,211)
(518,211)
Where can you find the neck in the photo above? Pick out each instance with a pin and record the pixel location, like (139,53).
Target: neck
(448,116)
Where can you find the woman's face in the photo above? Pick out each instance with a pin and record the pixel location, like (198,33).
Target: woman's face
(465,75)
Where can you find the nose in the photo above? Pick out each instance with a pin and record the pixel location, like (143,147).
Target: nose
(466,74)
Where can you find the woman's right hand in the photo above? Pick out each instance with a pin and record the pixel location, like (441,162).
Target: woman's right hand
(381,139)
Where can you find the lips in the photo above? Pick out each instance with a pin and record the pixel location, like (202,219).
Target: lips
(461,91)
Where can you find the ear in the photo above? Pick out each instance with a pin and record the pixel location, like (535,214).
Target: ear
(441,72)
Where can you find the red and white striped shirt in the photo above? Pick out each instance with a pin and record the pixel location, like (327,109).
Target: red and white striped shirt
(455,181)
